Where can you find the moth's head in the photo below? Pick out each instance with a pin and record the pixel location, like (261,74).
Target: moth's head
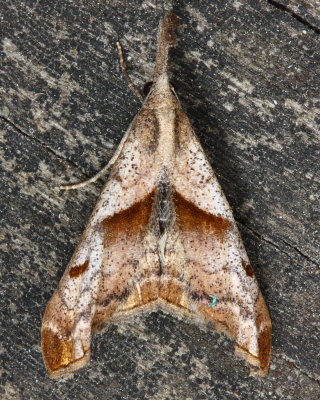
(149,86)
(160,94)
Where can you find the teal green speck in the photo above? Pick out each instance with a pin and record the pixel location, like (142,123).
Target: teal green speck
(214,301)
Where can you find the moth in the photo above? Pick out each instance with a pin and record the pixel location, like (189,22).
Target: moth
(162,236)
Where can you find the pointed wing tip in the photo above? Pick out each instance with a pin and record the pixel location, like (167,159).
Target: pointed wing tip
(259,366)
(58,355)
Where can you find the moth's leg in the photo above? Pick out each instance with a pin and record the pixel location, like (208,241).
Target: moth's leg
(123,67)
(104,169)
(88,181)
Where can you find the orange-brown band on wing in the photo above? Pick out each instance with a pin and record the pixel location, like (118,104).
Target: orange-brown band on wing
(133,221)
(193,218)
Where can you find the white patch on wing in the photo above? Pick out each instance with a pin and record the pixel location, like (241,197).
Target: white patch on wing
(107,205)
(248,335)
(133,181)
(89,288)
(196,181)
(235,255)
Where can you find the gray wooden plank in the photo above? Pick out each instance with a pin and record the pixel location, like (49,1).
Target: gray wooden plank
(247,74)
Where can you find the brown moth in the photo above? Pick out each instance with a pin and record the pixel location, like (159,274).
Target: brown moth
(162,236)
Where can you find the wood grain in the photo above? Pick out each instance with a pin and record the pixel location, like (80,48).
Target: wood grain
(247,75)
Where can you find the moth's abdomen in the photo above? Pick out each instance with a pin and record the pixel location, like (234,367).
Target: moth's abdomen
(164,205)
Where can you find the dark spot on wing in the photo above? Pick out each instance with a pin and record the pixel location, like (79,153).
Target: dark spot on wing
(247,268)
(78,270)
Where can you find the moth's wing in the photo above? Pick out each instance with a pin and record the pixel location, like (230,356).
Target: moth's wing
(204,252)
(114,269)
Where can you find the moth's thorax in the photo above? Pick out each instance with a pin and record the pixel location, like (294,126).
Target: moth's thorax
(163,103)
(161,95)
(166,140)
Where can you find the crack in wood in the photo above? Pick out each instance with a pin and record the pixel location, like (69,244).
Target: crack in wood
(41,144)
(294,365)
(270,242)
(296,16)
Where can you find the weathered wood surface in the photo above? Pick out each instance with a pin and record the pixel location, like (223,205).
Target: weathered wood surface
(305,11)
(247,73)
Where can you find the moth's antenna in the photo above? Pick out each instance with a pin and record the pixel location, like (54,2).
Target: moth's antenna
(166,39)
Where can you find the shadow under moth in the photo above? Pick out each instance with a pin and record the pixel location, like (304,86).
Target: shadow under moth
(162,236)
